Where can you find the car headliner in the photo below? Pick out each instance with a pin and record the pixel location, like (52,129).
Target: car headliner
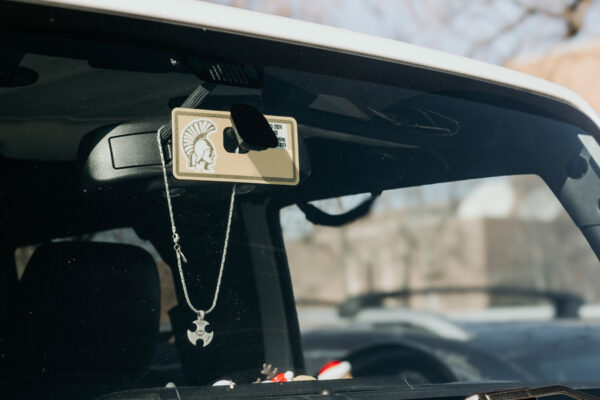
(204,15)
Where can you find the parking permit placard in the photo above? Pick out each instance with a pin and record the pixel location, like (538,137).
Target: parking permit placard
(199,152)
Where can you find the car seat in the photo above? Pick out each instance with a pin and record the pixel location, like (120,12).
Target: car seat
(87,321)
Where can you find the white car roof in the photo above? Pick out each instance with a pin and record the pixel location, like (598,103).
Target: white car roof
(199,14)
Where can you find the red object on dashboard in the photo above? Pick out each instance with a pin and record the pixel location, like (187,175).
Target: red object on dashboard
(335,369)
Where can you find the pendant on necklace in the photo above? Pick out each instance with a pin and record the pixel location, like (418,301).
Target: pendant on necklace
(200,332)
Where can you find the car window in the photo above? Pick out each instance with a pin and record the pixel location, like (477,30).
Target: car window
(450,262)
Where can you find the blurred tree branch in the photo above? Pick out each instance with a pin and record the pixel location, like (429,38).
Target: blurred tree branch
(571,12)
(575,14)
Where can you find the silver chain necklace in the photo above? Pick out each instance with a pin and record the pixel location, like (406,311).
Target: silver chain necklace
(200,332)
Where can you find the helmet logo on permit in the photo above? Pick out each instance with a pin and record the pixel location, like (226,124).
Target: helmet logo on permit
(199,150)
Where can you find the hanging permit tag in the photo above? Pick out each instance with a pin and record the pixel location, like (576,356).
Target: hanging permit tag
(199,150)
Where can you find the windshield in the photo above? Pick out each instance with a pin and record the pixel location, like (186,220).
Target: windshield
(182,213)
(490,267)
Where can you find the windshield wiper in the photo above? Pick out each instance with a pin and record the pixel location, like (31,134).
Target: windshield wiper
(566,305)
(533,393)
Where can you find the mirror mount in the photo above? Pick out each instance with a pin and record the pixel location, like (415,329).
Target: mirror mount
(250,129)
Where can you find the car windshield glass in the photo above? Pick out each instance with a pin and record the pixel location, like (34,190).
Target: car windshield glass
(481,268)
(434,229)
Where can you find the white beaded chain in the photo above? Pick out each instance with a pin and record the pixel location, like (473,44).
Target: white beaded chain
(177,247)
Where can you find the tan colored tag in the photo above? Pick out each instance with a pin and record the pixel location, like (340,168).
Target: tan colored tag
(199,153)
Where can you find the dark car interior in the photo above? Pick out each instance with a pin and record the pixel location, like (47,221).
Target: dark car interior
(83,319)
(81,285)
